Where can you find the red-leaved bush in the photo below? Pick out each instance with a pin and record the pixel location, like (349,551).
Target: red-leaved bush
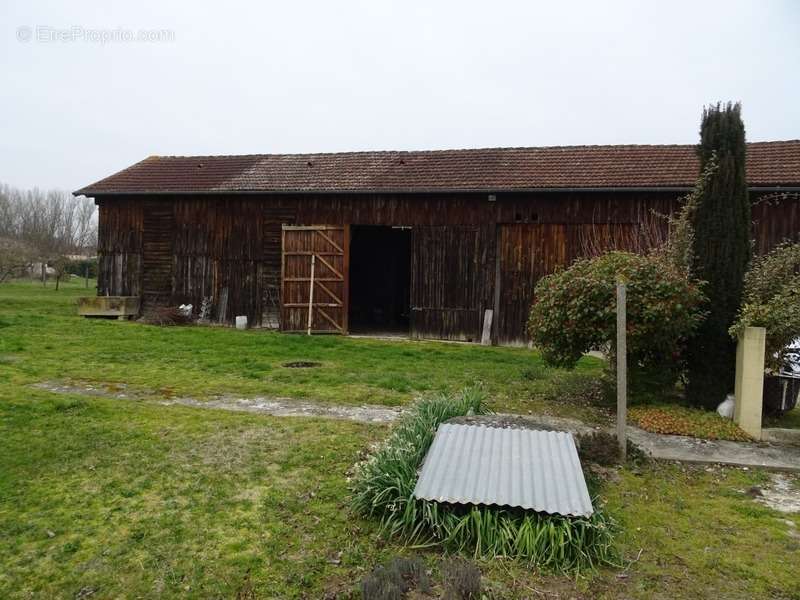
(574,310)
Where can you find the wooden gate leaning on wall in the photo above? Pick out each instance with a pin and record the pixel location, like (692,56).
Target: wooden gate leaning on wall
(314,278)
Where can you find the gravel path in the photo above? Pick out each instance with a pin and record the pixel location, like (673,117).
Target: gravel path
(664,447)
(279,407)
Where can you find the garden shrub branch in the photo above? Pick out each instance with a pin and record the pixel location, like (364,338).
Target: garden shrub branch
(772,300)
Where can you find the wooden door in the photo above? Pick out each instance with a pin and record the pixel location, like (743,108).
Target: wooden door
(446,283)
(314,278)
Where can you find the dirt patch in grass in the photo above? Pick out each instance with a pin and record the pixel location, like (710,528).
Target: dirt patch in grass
(302,364)
(225,450)
(781,493)
(277,407)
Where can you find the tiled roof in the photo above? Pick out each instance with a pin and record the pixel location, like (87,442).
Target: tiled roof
(492,169)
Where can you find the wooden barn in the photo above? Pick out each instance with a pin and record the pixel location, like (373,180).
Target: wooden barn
(412,243)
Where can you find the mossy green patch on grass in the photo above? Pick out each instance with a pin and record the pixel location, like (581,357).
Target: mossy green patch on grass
(789,420)
(137,500)
(699,530)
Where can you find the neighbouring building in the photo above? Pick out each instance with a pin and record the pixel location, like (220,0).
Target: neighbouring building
(418,243)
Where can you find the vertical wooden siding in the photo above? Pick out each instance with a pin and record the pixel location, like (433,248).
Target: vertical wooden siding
(157,250)
(530,251)
(274,217)
(119,248)
(775,219)
(229,244)
(182,249)
(451,281)
(527,252)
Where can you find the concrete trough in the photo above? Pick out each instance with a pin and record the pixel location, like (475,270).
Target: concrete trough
(122,307)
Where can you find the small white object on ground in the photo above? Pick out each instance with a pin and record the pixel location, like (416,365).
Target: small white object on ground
(727,406)
(241,322)
(186,309)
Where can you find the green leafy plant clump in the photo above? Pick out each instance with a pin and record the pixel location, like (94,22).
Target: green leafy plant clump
(772,300)
(574,310)
(383,487)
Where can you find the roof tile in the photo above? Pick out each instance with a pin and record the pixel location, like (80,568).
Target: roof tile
(490,169)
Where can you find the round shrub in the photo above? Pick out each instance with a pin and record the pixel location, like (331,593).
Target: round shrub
(772,300)
(574,310)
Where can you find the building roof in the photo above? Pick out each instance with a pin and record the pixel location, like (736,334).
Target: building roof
(769,164)
(476,464)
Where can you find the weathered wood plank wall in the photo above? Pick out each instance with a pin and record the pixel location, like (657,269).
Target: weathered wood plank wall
(187,248)
(452,280)
(157,251)
(119,248)
(274,217)
(775,220)
(530,251)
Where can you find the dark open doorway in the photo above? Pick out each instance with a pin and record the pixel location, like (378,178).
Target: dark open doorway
(380,279)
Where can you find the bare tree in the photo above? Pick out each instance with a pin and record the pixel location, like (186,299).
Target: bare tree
(49,224)
(16,258)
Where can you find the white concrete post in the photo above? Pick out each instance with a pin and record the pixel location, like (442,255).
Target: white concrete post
(750,380)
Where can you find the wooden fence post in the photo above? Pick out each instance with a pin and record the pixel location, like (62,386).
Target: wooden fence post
(622,370)
(223,305)
(311,295)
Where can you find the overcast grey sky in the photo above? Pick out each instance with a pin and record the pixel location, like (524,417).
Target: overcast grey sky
(257,77)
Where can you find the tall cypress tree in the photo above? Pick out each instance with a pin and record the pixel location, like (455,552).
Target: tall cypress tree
(721,245)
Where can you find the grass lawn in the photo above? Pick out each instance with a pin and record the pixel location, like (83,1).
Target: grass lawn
(43,339)
(103,499)
(791,420)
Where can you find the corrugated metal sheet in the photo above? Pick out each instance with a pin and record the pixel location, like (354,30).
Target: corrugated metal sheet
(475,464)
